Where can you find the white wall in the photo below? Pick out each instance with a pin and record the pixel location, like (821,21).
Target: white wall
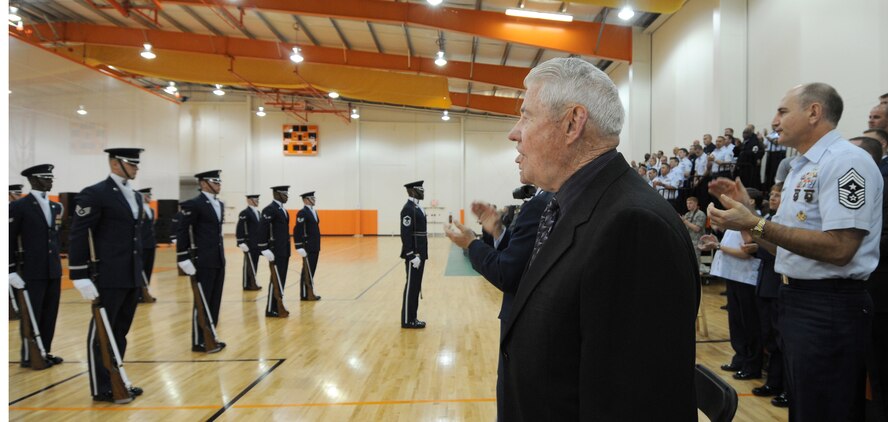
(44,128)
(844,45)
(360,165)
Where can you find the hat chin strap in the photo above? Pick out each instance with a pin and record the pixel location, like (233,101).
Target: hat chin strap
(210,185)
(123,168)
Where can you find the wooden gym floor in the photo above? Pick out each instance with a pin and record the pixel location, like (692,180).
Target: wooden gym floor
(343,358)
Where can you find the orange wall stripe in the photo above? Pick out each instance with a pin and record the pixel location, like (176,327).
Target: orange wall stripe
(343,222)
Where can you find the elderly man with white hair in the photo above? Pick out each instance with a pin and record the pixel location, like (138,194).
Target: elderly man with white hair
(595,325)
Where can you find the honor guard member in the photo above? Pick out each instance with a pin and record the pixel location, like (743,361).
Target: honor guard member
(307,239)
(414,251)
(149,240)
(34,264)
(201,226)
(247,236)
(15,192)
(106,220)
(826,236)
(274,240)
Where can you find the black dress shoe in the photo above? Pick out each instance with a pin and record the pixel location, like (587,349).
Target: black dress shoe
(730,367)
(724,307)
(781,400)
(253,288)
(203,348)
(55,360)
(27,363)
(414,324)
(272,314)
(108,397)
(219,346)
(744,375)
(135,391)
(766,391)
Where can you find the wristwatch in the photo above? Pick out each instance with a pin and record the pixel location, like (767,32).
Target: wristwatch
(758,231)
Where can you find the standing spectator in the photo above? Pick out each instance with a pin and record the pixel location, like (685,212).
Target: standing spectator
(695,221)
(723,158)
(828,234)
(708,146)
(878,117)
(881,136)
(776,154)
(749,159)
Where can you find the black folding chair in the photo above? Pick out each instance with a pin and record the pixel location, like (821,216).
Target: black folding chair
(715,397)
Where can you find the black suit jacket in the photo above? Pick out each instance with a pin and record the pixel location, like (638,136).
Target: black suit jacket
(117,235)
(877,284)
(306,232)
(274,230)
(504,266)
(247,229)
(600,319)
(414,235)
(149,241)
(40,241)
(199,217)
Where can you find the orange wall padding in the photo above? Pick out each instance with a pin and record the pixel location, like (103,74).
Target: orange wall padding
(343,222)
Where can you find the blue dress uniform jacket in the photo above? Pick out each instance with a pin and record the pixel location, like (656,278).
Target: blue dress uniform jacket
(247,228)
(306,232)
(198,214)
(40,247)
(275,224)
(414,238)
(117,237)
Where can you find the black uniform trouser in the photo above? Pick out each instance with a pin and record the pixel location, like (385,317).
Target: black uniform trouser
(413,286)
(767,308)
(774,159)
(44,296)
(148,263)
(251,261)
(120,306)
(825,332)
(281,262)
(878,364)
(743,324)
(500,376)
(211,281)
(304,280)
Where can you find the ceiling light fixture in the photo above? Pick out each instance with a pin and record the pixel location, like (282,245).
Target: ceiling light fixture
(171,89)
(147,53)
(626,13)
(261,112)
(333,94)
(296,57)
(218,91)
(446,116)
(435,2)
(521,13)
(13,14)
(439,59)
(81,111)
(355,114)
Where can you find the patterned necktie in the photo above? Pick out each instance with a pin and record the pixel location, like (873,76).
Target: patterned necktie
(547,222)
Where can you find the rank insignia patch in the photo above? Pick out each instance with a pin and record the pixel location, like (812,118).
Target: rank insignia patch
(852,192)
(407,221)
(82,211)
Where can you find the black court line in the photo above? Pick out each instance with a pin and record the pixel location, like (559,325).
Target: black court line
(46,388)
(724,340)
(244,391)
(377,281)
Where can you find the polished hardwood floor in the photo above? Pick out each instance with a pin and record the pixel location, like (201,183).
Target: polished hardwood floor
(342,358)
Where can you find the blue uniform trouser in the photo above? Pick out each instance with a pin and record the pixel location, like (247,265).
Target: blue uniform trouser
(120,305)
(412,287)
(211,281)
(825,332)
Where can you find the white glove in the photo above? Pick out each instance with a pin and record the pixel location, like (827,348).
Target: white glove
(173,241)
(16,281)
(244,247)
(302,252)
(86,288)
(415,261)
(268,255)
(188,267)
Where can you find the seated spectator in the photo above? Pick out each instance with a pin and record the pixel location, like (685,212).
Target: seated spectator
(651,175)
(723,157)
(664,183)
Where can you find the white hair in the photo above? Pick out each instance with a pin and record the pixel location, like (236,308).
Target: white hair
(566,81)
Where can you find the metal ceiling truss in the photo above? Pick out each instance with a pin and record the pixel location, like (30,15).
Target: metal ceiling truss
(133,10)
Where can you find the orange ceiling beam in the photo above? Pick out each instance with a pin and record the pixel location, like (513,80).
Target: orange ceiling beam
(653,6)
(572,37)
(500,105)
(504,76)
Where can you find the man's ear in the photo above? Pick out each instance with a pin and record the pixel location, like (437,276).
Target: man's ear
(576,123)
